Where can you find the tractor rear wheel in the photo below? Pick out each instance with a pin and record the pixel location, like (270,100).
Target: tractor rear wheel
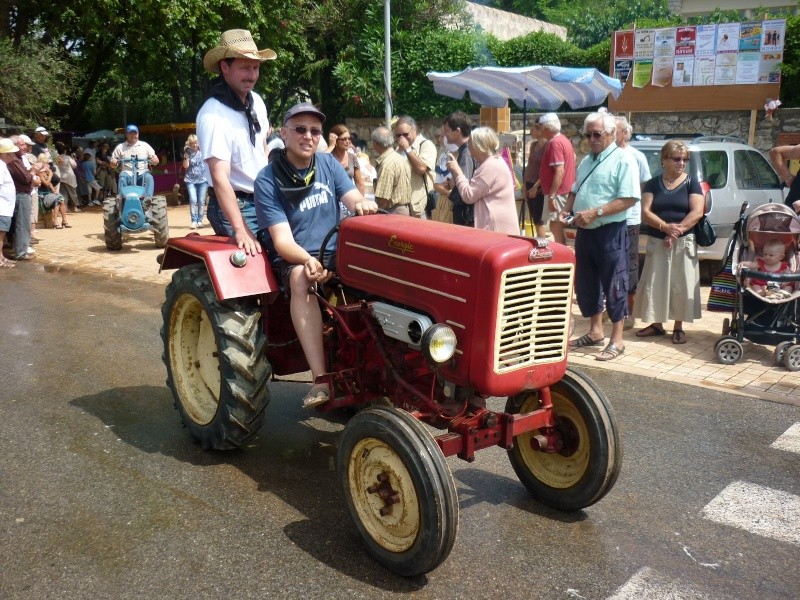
(158,220)
(398,489)
(112,223)
(588,464)
(216,366)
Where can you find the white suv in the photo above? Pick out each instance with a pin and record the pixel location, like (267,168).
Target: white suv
(730,173)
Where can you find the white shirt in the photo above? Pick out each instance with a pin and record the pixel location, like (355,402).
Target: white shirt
(635,212)
(223,134)
(125,152)
(8,194)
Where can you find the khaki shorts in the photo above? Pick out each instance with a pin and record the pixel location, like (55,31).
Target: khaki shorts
(552,215)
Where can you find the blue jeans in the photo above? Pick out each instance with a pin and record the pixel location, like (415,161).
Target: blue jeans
(146,180)
(221,225)
(197,200)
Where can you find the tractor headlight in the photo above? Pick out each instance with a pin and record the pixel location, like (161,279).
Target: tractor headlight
(438,343)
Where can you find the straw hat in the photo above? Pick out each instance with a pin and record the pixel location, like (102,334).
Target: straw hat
(7,146)
(235,43)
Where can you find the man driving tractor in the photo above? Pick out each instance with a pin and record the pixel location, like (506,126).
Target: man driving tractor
(135,154)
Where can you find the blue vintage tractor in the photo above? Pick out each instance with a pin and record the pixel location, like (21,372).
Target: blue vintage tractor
(131,211)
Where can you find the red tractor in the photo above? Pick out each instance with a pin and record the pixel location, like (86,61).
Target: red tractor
(422,323)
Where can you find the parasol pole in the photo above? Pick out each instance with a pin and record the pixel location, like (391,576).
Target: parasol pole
(524,153)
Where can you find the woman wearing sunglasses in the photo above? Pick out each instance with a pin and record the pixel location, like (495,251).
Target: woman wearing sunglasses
(341,146)
(669,288)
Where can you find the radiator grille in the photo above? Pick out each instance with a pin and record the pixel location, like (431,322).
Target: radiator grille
(533,316)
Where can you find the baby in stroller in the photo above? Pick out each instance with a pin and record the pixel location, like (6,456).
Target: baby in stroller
(771,260)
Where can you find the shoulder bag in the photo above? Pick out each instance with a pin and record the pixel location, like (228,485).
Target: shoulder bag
(704,233)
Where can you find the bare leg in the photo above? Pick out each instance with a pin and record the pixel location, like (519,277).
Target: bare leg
(307,320)
(557,229)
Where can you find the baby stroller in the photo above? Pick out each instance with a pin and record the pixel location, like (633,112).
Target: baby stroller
(767,314)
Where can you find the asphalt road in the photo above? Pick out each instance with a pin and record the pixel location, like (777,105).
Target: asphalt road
(104,495)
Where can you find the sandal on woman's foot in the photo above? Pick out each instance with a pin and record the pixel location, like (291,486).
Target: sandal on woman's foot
(8,264)
(650,331)
(678,336)
(585,340)
(610,352)
(67,225)
(317,396)
(57,226)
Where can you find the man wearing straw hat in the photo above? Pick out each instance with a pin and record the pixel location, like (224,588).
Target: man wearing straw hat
(232,129)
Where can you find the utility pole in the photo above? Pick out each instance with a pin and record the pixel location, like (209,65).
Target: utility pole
(387,62)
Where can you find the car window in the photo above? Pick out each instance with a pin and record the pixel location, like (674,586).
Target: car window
(653,160)
(745,171)
(714,167)
(766,174)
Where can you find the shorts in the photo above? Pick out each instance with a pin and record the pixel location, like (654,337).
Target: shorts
(5,224)
(601,270)
(552,215)
(633,258)
(283,268)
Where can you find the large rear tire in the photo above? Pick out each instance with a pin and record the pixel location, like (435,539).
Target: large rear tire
(216,366)
(112,223)
(158,220)
(398,489)
(590,460)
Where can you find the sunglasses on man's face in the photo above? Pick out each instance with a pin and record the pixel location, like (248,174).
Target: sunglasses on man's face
(302,130)
(678,159)
(405,135)
(593,135)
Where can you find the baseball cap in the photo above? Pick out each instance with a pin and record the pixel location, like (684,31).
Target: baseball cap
(26,139)
(131,129)
(42,130)
(548,118)
(302,109)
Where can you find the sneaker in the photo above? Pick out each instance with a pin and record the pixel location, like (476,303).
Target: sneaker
(31,250)
(97,203)
(194,225)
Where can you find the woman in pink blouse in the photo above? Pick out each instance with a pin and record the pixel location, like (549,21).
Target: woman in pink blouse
(491,189)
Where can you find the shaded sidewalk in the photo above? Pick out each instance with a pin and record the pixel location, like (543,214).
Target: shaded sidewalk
(82,248)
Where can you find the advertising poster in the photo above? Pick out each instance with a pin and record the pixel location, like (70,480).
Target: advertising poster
(772,35)
(725,69)
(623,45)
(683,71)
(769,68)
(747,67)
(705,40)
(750,37)
(727,37)
(622,68)
(642,70)
(662,70)
(645,41)
(704,67)
(685,38)
(665,42)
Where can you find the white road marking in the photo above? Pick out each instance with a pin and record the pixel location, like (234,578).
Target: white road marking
(649,584)
(758,509)
(789,441)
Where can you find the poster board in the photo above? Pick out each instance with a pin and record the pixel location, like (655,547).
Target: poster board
(726,66)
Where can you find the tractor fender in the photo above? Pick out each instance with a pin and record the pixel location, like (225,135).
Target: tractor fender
(254,278)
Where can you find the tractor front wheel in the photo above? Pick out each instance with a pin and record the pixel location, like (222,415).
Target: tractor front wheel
(112,223)
(398,489)
(216,366)
(588,462)
(158,220)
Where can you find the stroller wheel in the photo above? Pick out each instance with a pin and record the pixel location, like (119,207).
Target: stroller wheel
(729,350)
(780,351)
(726,326)
(791,358)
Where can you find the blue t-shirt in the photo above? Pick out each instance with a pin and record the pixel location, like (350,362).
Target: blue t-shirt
(88,170)
(315,215)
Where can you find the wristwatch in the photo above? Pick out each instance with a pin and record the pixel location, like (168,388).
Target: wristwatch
(600,211)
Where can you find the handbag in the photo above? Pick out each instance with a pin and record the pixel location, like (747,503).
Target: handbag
(722,296)
(704,233)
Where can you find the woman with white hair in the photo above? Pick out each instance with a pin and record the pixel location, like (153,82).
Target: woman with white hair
(491,188)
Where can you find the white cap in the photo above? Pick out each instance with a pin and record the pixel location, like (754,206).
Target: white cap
(42,130)
(548,118)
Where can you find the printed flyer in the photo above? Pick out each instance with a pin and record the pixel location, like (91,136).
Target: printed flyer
(645,43)
(642,70)
(685,38)
(747,67)
(773,33)
(683,71)
(705,40)
(750,37)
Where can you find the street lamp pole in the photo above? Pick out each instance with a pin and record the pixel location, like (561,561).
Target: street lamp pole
(387,62)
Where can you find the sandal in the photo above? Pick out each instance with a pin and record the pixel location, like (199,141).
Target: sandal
(57,226)
(8,264)
(67,225)
(317,396)
(650,331)
(678,336)
(584,341)
(610,352)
